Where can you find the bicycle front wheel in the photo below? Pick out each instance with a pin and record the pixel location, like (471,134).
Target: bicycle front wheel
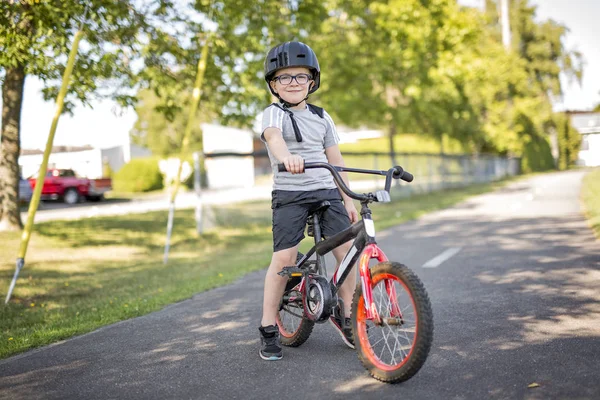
(396,348)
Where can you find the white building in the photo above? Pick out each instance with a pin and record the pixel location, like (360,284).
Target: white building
(86,161)
(588,125)
(228,171)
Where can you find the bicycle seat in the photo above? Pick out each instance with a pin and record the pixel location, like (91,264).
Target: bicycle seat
(317,208)
(320,207)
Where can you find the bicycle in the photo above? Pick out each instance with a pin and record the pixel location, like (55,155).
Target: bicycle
(390,302)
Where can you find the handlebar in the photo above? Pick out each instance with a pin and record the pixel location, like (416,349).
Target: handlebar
(396,172)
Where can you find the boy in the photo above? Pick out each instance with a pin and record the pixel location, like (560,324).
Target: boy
(294,133)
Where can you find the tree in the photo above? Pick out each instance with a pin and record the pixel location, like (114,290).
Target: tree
(569,141)
(234,90)
(432,67)
(541,45)
(398,65)
(35,37)
(542,58)
(162,132)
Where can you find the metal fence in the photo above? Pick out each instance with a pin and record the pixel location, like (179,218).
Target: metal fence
(438,171)
(432,171)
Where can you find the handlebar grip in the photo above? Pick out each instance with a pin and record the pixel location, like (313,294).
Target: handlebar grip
(281,167)
(400,173)
(407,176)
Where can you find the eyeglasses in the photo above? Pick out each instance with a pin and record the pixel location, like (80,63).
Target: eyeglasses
(301,79)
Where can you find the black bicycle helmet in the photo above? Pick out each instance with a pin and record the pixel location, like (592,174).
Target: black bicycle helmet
(292,54)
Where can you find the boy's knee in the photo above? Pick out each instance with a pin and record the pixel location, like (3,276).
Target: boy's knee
(285,257)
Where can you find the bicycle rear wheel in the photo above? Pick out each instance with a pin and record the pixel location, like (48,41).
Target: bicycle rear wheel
(294,327)
(396,349)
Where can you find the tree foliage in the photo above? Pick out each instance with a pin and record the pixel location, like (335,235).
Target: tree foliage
(38,37)
(399,66)
(437,69)
(421,66)
(162,132)
(569,141)
(539,58)
(35,38)
(234,91)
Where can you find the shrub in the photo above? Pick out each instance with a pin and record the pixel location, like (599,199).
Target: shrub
(537,155)
(138,175)
(569,142)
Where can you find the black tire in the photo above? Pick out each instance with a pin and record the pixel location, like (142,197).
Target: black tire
(413,343)
(71,196)
(294,327)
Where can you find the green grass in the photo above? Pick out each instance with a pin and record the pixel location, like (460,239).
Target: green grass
(81,275)
(590,194)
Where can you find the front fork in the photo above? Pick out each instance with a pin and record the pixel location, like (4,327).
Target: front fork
(373,251)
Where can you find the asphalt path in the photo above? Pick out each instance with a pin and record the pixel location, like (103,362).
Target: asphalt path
(513,278)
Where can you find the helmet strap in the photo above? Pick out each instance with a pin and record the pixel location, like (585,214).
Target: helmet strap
(288,104)
(286,108)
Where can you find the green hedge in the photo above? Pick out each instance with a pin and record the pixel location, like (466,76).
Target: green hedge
(569,142)
(537,155)
(139,175)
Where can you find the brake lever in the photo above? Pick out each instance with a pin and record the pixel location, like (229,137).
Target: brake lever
(383,196)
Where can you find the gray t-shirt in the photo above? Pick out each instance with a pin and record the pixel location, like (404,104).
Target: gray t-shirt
(317,134)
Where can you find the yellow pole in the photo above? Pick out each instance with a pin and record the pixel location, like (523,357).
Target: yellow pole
(35,199)
(186,137)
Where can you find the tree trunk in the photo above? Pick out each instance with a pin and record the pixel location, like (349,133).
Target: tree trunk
(10,148)
(392,134)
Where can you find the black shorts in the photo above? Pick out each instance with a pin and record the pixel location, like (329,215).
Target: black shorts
(290,212)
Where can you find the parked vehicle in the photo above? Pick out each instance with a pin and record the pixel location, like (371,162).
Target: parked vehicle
(66,185)
(25,191)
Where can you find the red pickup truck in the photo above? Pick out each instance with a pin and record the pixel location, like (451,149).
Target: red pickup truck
(66,185)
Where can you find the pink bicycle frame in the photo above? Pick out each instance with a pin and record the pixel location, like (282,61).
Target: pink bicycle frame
(373,251)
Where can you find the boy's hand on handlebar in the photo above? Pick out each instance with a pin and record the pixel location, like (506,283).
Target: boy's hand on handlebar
(351,210)
(294,164)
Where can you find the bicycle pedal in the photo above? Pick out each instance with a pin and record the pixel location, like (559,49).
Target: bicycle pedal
(291,271)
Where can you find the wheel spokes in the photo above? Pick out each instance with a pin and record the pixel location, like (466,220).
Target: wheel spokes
(392,341)
(290,316)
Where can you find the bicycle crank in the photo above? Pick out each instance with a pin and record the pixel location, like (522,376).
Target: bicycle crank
(318,299)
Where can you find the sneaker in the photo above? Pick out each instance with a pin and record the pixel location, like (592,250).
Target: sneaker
(343,326)
(270,345)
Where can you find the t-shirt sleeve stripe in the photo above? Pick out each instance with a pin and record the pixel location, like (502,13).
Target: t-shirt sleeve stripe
(281,115)
(272,118)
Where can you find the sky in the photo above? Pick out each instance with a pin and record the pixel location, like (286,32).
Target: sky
(106,125)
